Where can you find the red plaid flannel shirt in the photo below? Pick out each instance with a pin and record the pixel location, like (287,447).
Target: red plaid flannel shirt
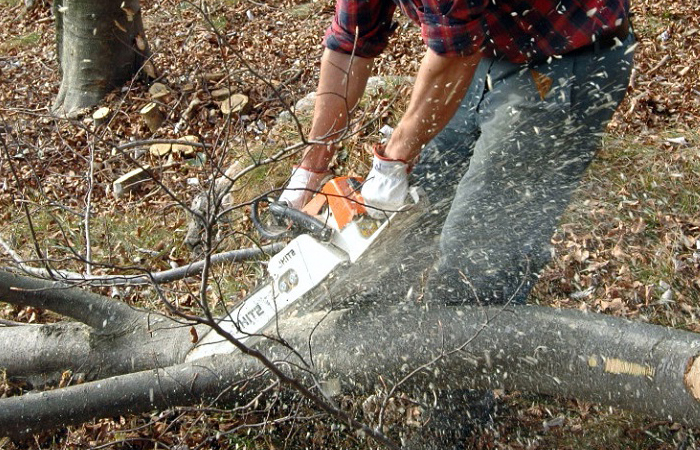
(517,30)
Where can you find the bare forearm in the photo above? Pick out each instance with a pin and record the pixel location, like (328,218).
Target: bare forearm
(440,86)
(342,82)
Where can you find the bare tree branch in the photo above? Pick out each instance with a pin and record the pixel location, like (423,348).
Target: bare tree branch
(91,309)
(165,276)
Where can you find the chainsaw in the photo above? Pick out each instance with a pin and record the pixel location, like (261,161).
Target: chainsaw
(332,229)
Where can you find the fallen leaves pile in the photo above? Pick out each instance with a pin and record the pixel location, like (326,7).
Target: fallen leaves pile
(629,245)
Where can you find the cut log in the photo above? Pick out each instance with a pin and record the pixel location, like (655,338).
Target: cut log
(130,181)
(221,94)
(184,149)
(152,116)
(100,116)
(191,107)
(203,207)
(237,103)
(214,76)
(159,150)
(160,92)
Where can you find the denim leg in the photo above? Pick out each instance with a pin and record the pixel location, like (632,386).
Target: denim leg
(529,157)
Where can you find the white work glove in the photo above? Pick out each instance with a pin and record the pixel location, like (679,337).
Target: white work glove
(302,185)
(386,187)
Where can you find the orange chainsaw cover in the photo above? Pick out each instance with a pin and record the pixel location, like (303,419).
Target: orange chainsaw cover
(344,200)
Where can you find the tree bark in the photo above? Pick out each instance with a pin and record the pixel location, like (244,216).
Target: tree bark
(91,309)
(111,338)
(100,46)
(612,361)
(39,355)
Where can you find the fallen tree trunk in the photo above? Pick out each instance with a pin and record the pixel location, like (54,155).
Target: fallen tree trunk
(635,366)
(110,337)
(41,355)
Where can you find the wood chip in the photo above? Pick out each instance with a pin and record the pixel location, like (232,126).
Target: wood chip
(158,91)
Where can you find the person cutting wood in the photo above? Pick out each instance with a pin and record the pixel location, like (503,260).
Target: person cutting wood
(507,109)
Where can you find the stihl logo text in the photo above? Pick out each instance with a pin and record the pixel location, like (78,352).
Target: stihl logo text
(287,257)
(249,317)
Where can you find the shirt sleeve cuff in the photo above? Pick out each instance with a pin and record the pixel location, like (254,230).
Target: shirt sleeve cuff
(368,46)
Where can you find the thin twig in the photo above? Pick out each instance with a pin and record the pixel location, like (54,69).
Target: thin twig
(658,65)
(88,209)
(25,209)
(11,323)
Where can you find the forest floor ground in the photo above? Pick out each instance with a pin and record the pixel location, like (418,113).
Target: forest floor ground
(628,246)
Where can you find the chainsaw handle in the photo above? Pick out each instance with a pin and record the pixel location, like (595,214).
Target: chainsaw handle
(300,222)
(308,223)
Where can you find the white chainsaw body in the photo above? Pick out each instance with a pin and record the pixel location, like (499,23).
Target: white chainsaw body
(299,267)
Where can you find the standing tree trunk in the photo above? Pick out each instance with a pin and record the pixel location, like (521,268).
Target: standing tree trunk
(100,46)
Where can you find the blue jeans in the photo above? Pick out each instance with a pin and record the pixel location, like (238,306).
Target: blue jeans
(505,167)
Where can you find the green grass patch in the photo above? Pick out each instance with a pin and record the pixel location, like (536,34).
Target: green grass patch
(120,239)
(20,42)
(302,11)
(631,233)
(219,22)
